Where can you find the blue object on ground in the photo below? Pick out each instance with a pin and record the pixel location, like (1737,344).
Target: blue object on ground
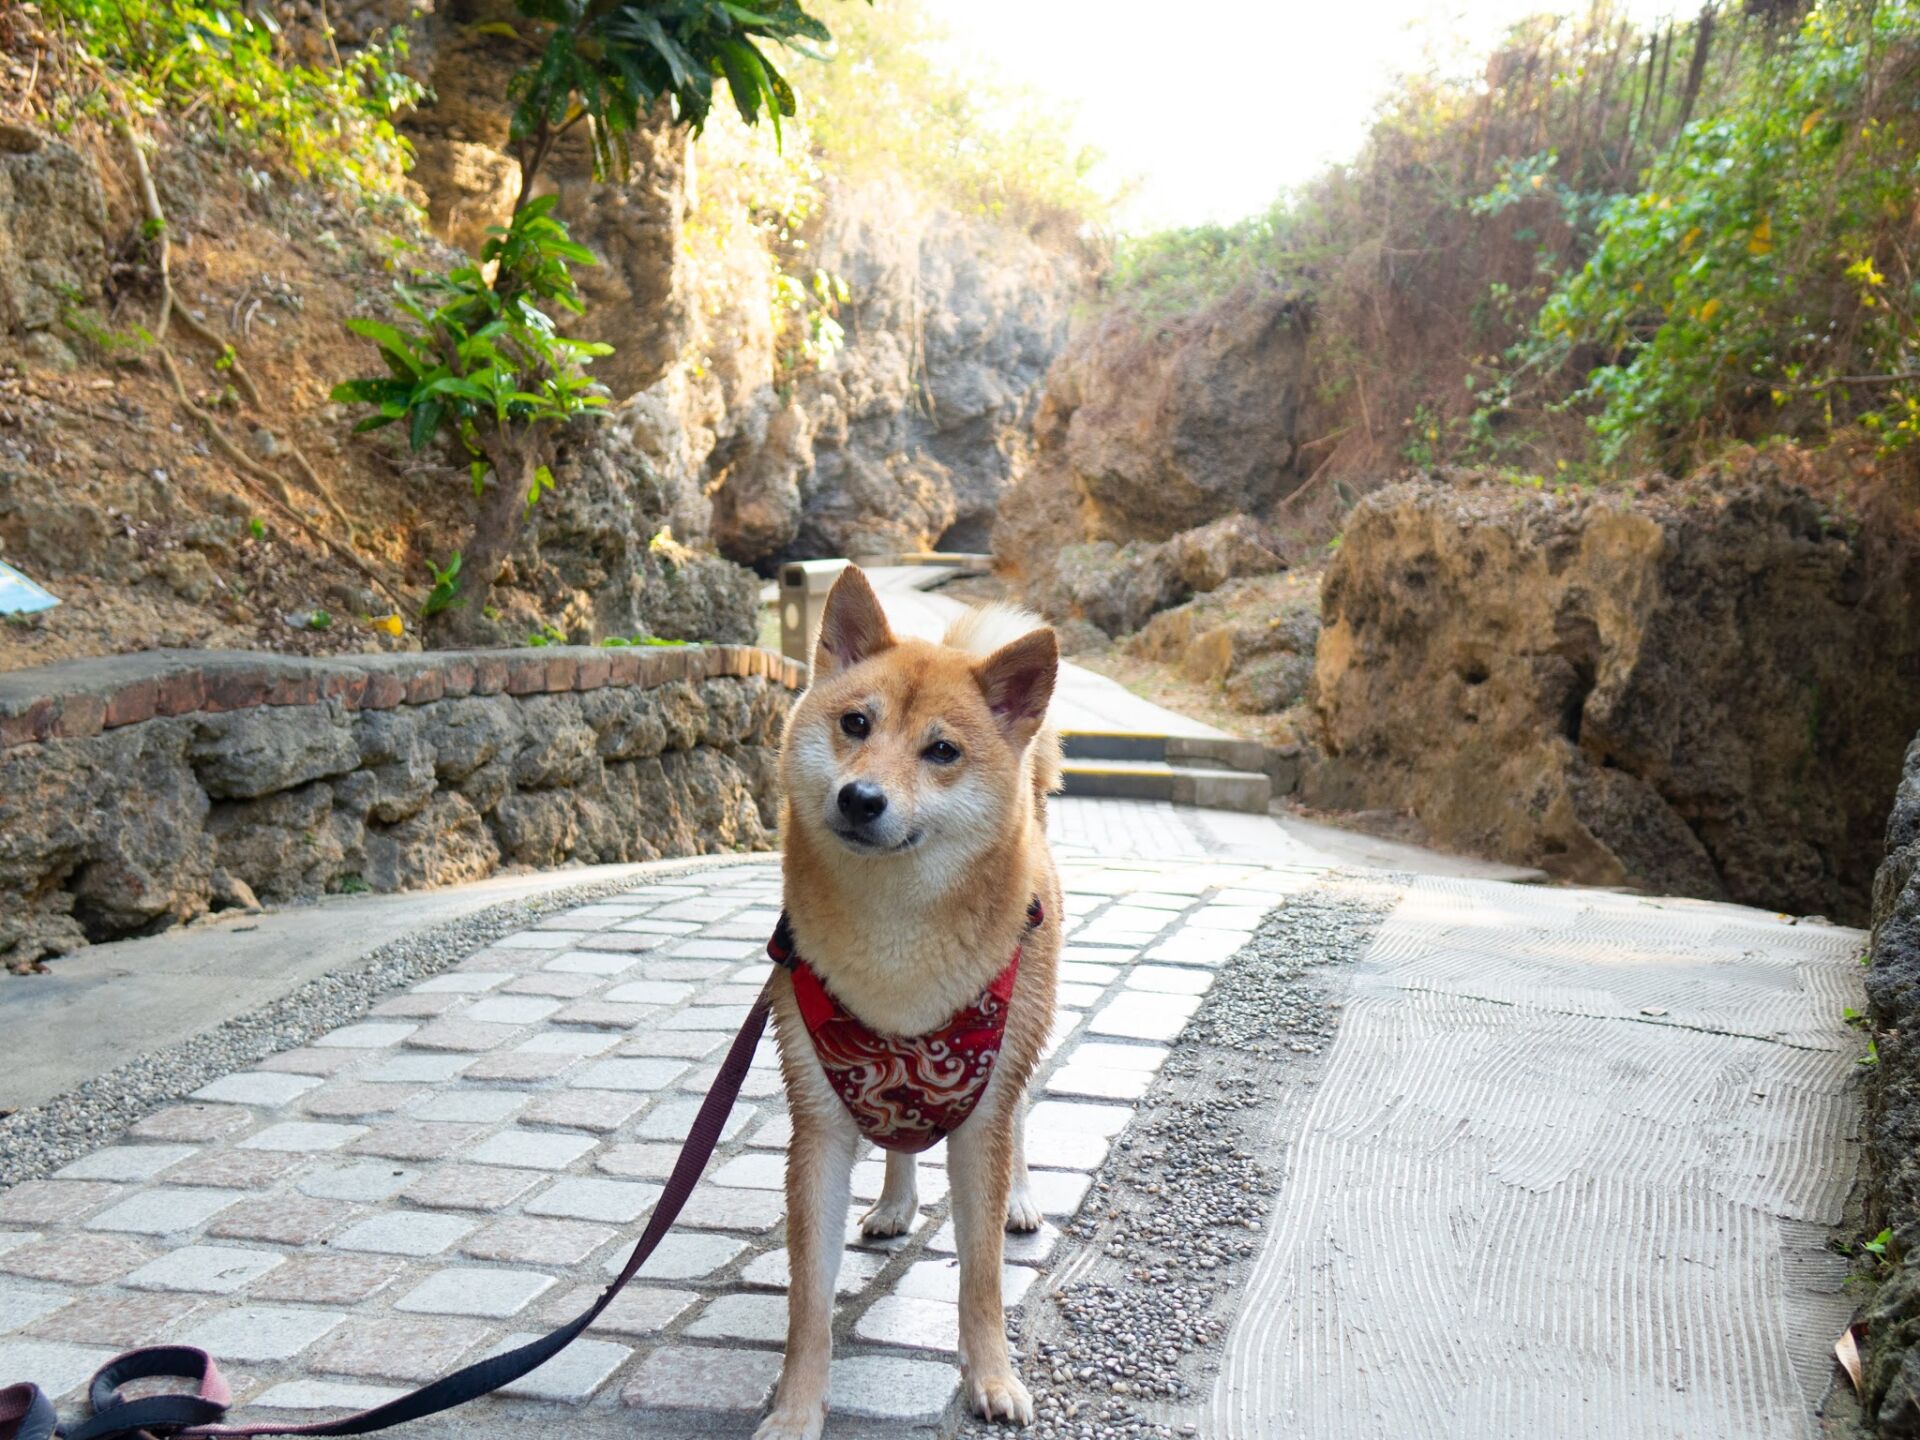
(20,596)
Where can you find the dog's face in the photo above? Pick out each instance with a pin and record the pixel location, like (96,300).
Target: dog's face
(905,749)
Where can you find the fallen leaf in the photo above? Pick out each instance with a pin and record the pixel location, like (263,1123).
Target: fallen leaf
(1847,1351)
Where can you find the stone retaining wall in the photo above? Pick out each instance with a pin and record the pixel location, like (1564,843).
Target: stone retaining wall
(1893,1115)
(139,791)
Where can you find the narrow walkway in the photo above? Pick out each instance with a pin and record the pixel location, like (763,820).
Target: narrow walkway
(1571,1171)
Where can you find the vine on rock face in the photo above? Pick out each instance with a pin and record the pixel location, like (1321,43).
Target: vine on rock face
(482,365)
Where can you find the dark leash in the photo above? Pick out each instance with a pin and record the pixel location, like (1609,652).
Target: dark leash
(27,1414)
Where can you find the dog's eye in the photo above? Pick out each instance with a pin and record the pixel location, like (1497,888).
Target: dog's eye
(942,752)
(856,724)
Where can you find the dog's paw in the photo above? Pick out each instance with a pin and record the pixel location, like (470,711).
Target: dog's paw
(792,1425)
(890,1217)
(1001,1397)
(1023,1214)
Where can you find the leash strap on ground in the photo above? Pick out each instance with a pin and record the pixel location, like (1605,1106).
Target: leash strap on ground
(27,1414)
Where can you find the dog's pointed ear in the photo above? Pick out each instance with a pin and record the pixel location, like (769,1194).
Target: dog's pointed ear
(853,626)
(1017,680)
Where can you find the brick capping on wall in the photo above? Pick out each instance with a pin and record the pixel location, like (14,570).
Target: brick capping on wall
(82,698)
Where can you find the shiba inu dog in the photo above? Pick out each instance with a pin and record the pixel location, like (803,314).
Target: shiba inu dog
(923,911)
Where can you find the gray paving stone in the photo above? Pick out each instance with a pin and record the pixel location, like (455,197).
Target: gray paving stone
(398,1347)
(126,1162)
(1103,955)
(530,1150)
(1139,1016)
(260,1332)
(419,1069)
(511,1009)
(624,942)
(619,1202)
(13,1239)
(471,1187)
(870,1175)
(773,1271)
(685,1044)
(204,1269)
(761,1318)
(76,1258)
(636,1310)
(705,910)
(604,1015)
(1209,948)
(662,928)
(752,1172)
(940,1280)
(1066,1150)
(539,940)
(705,1017)
(460,983)
(650,992)
(1159,900)
(572,1376)
(1170,979)
(547,982)
(684,969)
(165,1210)
(1110,1056)
(1079,997)
(472,1105)
(1031,1247)
(758,1084)
(721,949)
(649,1160)
(371,1036)
(22,1304)
(1079,972)
(525,1240)
(1243,918)
(578,1043)
(42,1202)
(880,1387)
(368,1182)
(52,1364)
(682,1256)
(1099,1083)
(592,962)
(775,1134)
(646,1075)
(302,1395)
(472,1291)
(1058,1193)
(917,1324)
(712,1208)
(456,1033)
(705,1379)
(257,1087)
(405,1232)
(303,1136)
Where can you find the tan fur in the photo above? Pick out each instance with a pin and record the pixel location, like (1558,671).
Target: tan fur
(905,937)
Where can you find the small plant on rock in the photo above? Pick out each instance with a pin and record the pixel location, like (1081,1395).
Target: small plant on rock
(478,362)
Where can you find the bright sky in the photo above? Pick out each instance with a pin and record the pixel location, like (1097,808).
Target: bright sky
(1216,106)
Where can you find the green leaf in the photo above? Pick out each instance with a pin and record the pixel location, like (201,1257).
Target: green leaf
(426,420)
(389,339)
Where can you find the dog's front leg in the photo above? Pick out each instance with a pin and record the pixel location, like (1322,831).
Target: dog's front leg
(819,1182)
(979,1165)
(899,1203)
(1023,1212)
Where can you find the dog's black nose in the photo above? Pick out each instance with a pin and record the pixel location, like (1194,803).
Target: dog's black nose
(862,801)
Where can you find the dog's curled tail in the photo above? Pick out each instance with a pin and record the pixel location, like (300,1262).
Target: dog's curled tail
(983,630)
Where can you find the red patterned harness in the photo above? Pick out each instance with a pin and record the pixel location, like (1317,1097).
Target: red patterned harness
(905,1092)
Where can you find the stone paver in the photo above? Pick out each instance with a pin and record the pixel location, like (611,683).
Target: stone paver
(467,1167)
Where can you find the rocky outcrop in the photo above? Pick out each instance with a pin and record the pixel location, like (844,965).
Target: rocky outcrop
(1254,638)
(1892,1392)
(136,792)
(53,247)
(1160,448)
(1706,695)
(1118,587)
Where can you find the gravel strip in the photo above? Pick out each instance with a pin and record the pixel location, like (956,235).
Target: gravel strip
(39,1140)
(1123,1347)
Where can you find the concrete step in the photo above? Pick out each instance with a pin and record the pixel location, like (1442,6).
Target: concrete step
(1117,779)
(1225,752)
